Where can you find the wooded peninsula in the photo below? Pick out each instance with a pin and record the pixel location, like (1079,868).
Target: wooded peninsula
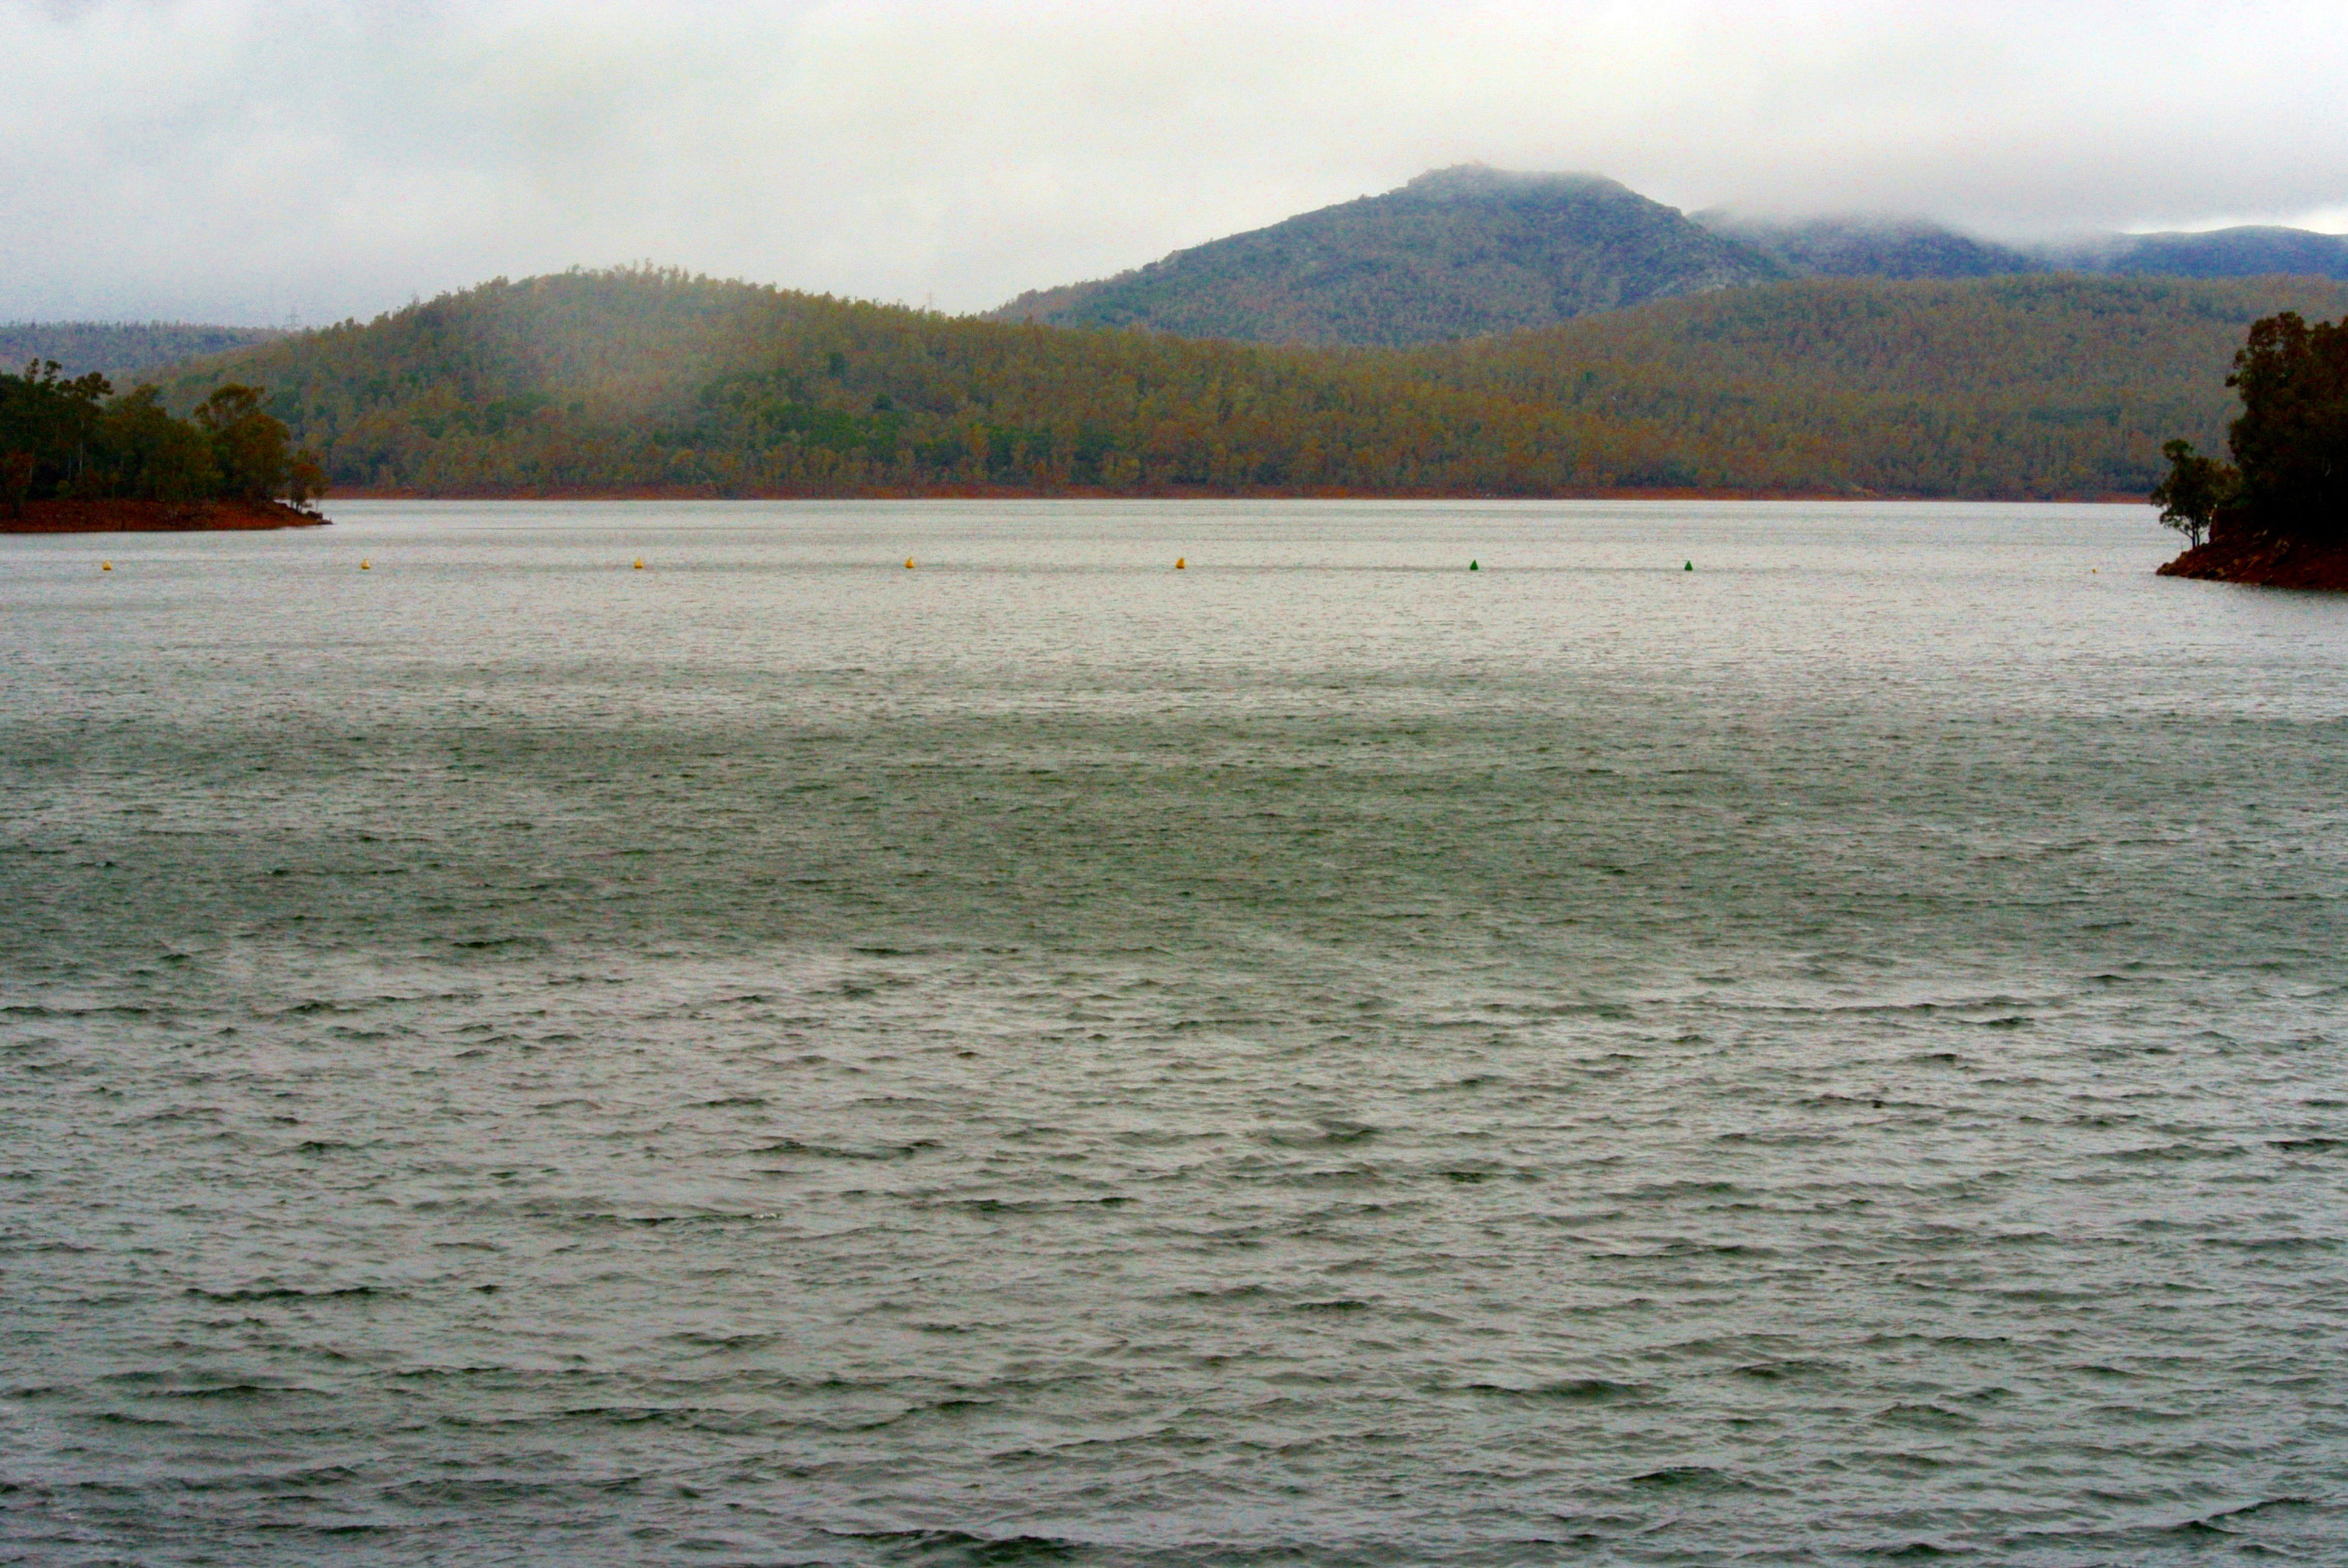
(2278,514)
(75,457)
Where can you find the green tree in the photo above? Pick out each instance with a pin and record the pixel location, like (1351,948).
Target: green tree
(146,454)
(2195,491)
(2290,443)
(249,446)
(305,479)
(46,424)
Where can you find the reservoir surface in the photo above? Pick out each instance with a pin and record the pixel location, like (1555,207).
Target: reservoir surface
(1321,1056)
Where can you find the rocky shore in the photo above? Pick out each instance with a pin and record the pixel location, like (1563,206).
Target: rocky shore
(154,517)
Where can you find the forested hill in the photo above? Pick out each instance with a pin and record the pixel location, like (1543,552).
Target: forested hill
(120,351)
(1455,254)
(614,380)
(2004,387)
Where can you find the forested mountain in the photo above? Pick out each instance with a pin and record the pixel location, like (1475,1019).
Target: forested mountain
(2010,386)
(1455,254)
(119,351)
(1472,251)
(2244,252)
(1869,247)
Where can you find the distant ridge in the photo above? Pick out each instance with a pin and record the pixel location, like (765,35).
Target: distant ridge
(1459,253)
(1867,246)
(1472,251)
(2250,252)
(121,350)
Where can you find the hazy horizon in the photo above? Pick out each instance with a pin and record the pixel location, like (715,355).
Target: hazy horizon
(212,160)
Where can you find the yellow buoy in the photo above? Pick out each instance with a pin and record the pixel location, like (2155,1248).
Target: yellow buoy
(1179,563)
(640,563)
(909,563)
(365,567)
(106,566)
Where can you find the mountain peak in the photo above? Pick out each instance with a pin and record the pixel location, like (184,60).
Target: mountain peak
(1481,180)
(1456,252)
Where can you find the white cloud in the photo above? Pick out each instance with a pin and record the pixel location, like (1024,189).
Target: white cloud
(224,158)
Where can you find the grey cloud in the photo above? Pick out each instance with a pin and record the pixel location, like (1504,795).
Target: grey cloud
(226,160)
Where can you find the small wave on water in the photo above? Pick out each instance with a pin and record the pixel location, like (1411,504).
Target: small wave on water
(1375,1067)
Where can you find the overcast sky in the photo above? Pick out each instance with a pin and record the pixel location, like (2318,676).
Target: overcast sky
(227,160)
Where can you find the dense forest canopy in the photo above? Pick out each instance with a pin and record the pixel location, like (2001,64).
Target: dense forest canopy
(640,377)
(71,438)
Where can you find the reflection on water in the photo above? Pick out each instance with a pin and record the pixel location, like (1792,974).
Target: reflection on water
(1320,1057)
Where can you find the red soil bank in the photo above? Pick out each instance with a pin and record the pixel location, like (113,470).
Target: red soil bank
(2265,562)
(153,517)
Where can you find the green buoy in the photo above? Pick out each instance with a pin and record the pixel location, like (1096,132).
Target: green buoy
(1473,567)
(1689,567)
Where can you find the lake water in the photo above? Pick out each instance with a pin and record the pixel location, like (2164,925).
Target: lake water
(1320,1058)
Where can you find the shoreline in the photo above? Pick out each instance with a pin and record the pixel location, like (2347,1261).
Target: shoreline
(1171,492)
(2264,561)
(157,517)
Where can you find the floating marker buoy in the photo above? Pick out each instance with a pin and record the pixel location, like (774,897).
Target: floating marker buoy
(1179,563)
(106,566)
(1473,567)
(909,563)
(365,567)
(640,563)
(1689,567)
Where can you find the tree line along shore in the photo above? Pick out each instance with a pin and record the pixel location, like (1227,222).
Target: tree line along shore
(650,381)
